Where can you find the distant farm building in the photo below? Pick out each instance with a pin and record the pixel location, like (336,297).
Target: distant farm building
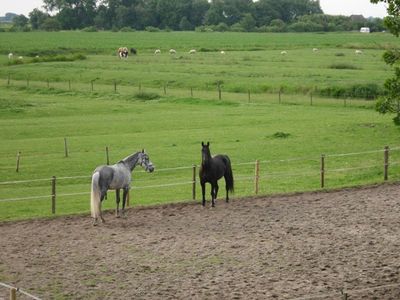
(365,30)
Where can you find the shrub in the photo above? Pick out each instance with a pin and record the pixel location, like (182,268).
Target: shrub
(90,29)
(280,135)
(152,29)
(127,29)
(343,66)
(365,91)
(146,96)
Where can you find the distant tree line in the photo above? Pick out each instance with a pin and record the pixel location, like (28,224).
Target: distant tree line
(200,15)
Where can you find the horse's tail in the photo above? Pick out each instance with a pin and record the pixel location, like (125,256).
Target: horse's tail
(229,175)
(95,196)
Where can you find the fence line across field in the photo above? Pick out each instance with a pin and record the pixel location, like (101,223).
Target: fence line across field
(14,290)
(256,177)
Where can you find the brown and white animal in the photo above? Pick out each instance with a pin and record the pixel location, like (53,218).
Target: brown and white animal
(123,52)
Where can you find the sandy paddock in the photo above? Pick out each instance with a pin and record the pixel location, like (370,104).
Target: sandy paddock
(280,247)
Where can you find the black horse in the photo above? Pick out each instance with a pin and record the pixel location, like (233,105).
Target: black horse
(212,169)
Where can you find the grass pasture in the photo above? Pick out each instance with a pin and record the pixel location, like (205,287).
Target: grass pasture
(38,110)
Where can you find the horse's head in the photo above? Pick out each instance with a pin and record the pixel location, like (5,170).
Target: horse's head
(205,152)
(145,162)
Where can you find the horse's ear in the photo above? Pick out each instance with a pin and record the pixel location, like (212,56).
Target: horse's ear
(142,150)
(202,143)
(208,144)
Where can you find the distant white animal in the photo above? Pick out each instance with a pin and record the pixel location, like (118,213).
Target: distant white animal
(358,52)
(193,51)
(222,52)
(284,52)
(158,51)
(315,49)
(10,56)
(20,57)
(172,51)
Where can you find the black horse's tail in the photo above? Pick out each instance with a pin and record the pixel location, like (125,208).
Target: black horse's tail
(229,175)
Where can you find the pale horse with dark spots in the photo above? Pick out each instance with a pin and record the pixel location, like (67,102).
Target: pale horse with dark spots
(115,177)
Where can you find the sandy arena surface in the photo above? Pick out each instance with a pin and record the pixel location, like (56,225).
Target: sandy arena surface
(282,247)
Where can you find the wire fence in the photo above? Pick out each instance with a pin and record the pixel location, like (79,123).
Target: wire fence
(259,177)
(14,290)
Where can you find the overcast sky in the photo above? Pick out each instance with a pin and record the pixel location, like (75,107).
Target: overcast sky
(332,7)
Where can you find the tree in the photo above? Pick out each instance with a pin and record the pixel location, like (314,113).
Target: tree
(37,18)
(390,103)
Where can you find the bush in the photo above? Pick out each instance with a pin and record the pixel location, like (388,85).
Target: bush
(90,29)
(366,91)
(343,66)
(152,29)
(147,96)
(127,29)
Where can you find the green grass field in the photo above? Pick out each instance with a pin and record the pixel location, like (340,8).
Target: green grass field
(288,138)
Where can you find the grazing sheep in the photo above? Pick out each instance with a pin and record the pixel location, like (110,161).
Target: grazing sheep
(20,57)
(358,52)
(222,52)
(158,51)
(284,52)
(315,49)
(10,56)
(172,51)
(193,51)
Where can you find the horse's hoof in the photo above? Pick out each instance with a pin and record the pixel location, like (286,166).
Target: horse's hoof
(102,220)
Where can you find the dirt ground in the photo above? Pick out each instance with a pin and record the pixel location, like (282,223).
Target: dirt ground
(303,246)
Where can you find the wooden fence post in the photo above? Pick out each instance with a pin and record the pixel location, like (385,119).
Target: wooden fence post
(8,79)
(322,170)
(256,176)
(248,94)
(311,99)
(219,92)
(280,99)
(13,294)
(115,86)
(65,147)
(107,156)
(69,84)
(194,183)
(53,195)
(386,163)
(165,89)
(91,84)
(18,159)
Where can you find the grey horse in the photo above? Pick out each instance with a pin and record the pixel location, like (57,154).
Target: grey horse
(115,177)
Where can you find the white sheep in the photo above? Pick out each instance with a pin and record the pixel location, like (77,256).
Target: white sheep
(315,49)
(172,51)
(223,52)
(158,51)
(193,51)
(10,56)
(283,52)
(358,52)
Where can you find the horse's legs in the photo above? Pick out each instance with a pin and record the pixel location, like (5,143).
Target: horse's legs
(226,188)
(214,193)
(117,199)
(102,195)
(203,192)
(124,197)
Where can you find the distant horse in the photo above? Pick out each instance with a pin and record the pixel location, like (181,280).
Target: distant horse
(115,177)
(212,169)
(123,52)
